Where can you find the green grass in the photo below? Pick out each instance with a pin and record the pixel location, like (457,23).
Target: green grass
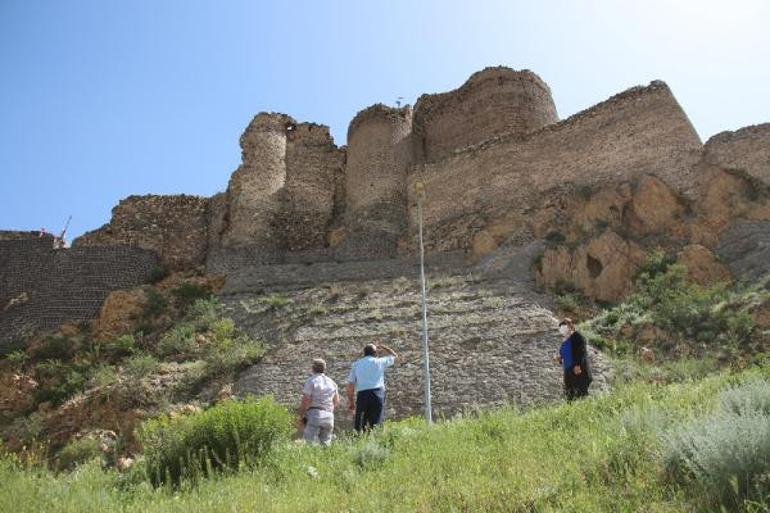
(601,454)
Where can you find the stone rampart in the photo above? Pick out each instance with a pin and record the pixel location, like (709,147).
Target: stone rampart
(491,102)
(175,227)
(640,131)
(746,150)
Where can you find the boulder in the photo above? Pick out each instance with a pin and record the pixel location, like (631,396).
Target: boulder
(745,248)
(655,208)
(602,268)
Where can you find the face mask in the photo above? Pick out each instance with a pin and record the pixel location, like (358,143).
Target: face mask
(564,330)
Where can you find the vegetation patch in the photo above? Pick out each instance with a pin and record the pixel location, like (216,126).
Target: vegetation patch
(674,319)
(229,436)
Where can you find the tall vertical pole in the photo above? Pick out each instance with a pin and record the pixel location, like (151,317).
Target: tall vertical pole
(425,354)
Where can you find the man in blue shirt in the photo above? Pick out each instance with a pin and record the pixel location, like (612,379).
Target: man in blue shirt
(367,380)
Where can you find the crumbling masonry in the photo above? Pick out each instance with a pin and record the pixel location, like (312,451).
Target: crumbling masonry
(502,172)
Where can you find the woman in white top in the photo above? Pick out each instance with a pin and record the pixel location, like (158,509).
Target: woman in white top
(316,411)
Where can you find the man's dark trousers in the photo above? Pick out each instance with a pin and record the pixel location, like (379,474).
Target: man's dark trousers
(369,408)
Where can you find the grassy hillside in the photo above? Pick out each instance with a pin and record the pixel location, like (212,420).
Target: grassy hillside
(157,348)
(686,427)
(619,452)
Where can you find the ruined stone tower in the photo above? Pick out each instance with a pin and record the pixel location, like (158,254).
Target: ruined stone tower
(491,102)
(379,155)
(254,190)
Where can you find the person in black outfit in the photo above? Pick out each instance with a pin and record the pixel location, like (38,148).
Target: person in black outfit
(573,357)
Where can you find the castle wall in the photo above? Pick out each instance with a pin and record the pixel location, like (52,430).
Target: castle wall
(312,163)
(641,131)
(175,227)
(747,149)
(218,220)
(491,102)
(378,155)
(41,288)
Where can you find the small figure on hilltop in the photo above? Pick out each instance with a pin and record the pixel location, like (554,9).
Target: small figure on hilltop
(316,411)
(367,380)
(573,357)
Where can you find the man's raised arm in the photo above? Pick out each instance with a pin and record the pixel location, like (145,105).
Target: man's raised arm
(388,350)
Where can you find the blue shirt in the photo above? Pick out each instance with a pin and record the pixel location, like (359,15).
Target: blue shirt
(566,354)
(369,372)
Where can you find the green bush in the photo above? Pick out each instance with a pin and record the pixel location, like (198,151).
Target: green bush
(103,375)
(141,366)
(119,348)
(158,273)
(206,335)
(76,453)
(555,237)
(204,312)
(187,294)
(276,300)
(695,320)
(156,304)
(179,340)
(229,350)
(18,358)
(752,396)
(54,347)
(658,262)
(228,436)
(371,455)
(57,381)
(727,456)
(568,302)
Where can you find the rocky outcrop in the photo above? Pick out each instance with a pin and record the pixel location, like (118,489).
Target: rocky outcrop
(745,247)
(702,265)
(603,267)
(119,314)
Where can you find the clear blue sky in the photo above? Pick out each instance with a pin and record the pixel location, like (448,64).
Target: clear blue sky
(100,99)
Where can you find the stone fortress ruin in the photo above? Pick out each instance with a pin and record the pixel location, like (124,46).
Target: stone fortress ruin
(513,193)
(500,169)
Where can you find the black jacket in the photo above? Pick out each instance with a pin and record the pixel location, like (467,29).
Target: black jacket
(580,354)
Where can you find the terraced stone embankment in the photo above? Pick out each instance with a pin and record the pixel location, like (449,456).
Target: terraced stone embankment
(491,341)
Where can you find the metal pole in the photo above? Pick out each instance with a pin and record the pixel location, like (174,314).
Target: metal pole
(425,355)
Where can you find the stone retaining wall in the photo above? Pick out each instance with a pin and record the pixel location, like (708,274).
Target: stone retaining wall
(41,288)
